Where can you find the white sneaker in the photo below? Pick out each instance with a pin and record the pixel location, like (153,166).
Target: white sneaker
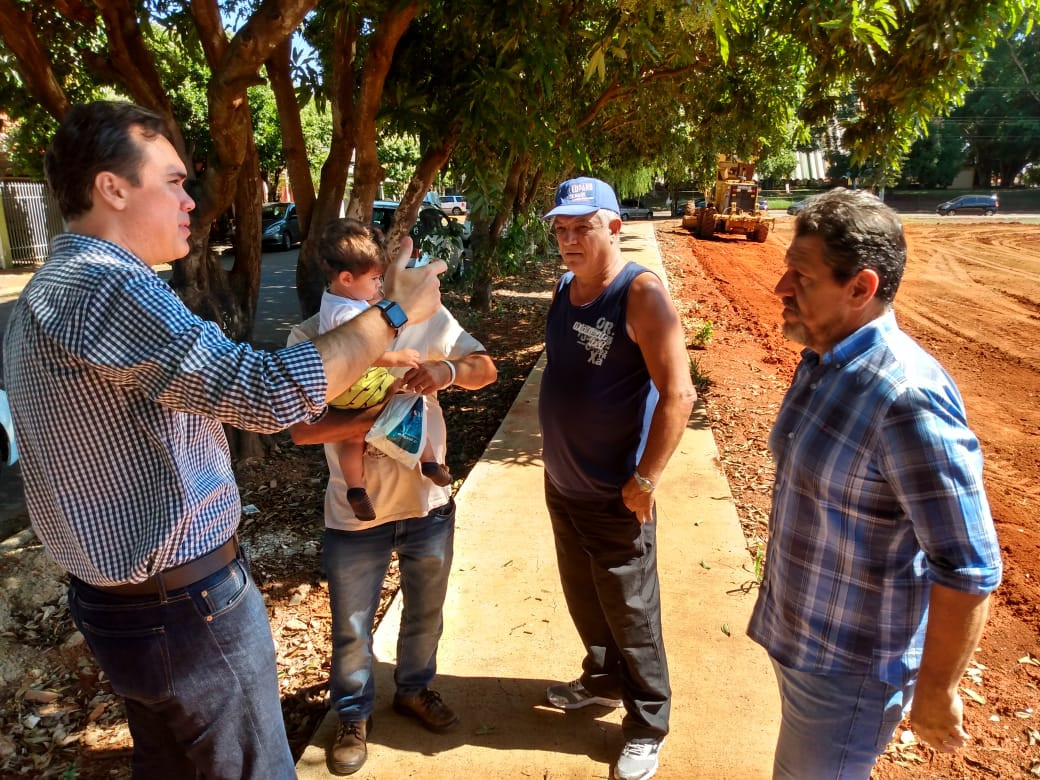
(638,759)
(573,696)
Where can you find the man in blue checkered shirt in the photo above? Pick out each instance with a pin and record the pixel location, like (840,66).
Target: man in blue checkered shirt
(882,551)
(118,394)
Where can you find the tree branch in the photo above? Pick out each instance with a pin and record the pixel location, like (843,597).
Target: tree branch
(34,64)
(432,161)
(367,170)
(134,64)
(1021,69)
(293,145)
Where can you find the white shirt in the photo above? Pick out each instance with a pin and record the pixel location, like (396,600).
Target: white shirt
(398,492)
(335,310)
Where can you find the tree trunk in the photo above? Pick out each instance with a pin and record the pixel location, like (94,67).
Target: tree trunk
(234,174)
(310,273)
(1009,169)
(34,64)
(244,277)
(483,287)
(293,145)
(368,173)
(484,241)
(485,261)
(431,163)
(353,136)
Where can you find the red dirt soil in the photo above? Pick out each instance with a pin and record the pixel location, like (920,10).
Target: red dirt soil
(971,297)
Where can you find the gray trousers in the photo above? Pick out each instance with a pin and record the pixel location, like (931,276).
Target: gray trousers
(608,569)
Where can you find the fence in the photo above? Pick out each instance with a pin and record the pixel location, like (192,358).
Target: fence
(29,219)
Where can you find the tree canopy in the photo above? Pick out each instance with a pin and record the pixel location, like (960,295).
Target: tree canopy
(1000,118)
(510,97)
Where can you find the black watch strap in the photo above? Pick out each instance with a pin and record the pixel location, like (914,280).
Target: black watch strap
(392,313)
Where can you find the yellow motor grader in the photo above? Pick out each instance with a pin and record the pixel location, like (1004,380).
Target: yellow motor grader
(732,205)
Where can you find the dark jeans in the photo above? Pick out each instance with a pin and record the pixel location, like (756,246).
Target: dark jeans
(356,563)
(608,568)
(197,671)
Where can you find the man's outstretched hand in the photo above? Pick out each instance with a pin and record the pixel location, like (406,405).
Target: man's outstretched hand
(416,290)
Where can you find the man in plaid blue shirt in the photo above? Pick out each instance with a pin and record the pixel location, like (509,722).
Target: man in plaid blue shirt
(882,551)
(118,394)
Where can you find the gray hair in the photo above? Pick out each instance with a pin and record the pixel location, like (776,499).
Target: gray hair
(858,232)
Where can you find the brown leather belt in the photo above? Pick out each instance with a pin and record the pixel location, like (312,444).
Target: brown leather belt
(179,576)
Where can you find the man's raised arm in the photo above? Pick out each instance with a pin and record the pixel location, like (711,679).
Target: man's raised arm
(347,351)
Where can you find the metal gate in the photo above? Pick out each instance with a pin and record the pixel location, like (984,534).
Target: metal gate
(29,219)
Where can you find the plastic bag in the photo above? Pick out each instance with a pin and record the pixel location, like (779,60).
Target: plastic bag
(400,429)
(8,450)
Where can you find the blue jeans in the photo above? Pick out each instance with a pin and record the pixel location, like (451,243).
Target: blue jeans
(197,670)
(608,570)
(356,563)
(834,725)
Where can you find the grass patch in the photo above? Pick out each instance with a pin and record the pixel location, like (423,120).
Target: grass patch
(1014,200)
(701,381)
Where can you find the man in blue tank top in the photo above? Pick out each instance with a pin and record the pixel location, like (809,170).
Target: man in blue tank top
(615,397)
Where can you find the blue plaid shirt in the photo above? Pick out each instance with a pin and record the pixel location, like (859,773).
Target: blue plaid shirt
(878,494)
(118,393)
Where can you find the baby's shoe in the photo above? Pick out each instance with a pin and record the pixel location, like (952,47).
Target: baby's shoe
(437,473)
(361,504)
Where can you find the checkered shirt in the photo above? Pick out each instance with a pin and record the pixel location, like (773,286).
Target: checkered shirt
(878,494)
(118,394)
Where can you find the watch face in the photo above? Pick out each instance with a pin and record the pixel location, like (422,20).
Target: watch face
(393,313)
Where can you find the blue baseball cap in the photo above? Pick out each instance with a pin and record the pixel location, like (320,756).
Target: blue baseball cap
(581,196)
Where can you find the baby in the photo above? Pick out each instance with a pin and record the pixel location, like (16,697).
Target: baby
(355,260)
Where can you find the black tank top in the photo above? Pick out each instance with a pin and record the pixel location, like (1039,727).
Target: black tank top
(596,397)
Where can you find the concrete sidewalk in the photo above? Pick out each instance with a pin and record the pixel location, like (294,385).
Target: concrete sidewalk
(507,633)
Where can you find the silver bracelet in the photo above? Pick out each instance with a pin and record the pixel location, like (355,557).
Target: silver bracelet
(451,367)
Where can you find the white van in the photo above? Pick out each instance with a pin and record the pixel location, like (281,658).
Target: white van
(454,204)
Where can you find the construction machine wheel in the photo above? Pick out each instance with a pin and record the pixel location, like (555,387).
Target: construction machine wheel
(760,234)
(706,226)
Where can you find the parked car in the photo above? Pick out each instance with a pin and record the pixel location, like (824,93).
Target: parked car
(454,204)
(634,209)
(985,204)
(797,206)
(281,226)
(434,233)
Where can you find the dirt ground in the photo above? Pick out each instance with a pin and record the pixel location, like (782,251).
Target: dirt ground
(971,296)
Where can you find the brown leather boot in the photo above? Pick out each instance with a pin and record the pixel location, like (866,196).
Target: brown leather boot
(350,749)
(429,709)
